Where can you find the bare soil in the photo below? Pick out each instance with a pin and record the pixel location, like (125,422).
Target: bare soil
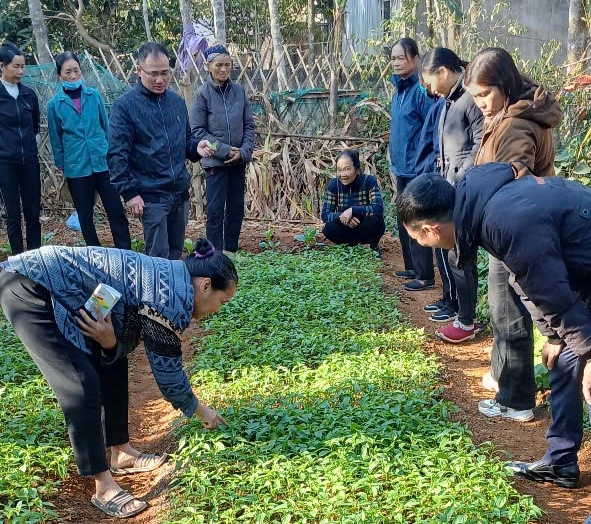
(462,369)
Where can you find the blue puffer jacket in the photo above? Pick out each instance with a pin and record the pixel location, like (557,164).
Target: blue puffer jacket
(222,114)
(149,140)
(78,139)
(410,105)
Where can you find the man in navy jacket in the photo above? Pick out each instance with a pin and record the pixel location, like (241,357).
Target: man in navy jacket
(540,228)
(149,140)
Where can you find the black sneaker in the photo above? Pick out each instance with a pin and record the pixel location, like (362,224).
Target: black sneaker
(435,306)
(566,476)
(407,273)
(447,314)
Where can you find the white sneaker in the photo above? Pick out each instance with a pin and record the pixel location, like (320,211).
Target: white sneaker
(490,383)
(491,408)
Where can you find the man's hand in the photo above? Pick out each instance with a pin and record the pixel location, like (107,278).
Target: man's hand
(550,353)
(234,156)
(346,216)
(204,148)
(136,206)
(587,382)
(100,329)
(210,418)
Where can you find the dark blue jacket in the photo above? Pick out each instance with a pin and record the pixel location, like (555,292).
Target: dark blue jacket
(149,140)
(410,105)
(428,148)
(540,228)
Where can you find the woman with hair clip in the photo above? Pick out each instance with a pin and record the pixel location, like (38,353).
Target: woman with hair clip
(460,133)
(78,129)
(83,355)
(409,109)
(519,118)
(20,173)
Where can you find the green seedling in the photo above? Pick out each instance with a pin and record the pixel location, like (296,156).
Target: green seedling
(308,237)
(189,246)
(270,242)
(213,146)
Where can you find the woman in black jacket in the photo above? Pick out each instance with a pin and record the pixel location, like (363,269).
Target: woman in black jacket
(221,113)
(460,133)
(20,178)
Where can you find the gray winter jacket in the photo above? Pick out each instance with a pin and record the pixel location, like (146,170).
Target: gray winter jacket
(460,133)
(222,115)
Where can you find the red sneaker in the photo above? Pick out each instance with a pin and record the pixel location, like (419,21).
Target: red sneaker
(456,333)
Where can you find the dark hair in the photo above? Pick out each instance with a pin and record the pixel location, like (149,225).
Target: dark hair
(206,261)
(411,48)
(62,58)
(442,57)
(494,67)
(351,154)
(151,48)
(8,51)
(427,197)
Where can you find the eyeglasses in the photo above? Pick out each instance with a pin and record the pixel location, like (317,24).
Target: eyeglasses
(156,74)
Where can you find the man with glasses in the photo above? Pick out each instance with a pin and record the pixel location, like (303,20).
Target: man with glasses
(150,139)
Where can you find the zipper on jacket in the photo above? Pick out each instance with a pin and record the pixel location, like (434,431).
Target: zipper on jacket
(168,140)
(20,130)
(226,111)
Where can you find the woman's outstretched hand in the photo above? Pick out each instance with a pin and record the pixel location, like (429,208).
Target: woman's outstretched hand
(209,417)
(100,329)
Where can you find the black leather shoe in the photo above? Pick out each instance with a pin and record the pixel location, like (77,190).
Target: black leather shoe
(566,476)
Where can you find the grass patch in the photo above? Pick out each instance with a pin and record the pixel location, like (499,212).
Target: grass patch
(336,415)
(34,450)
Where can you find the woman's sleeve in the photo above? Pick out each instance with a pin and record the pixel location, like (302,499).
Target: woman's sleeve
(199,128)
(55,132)
(163,348)
(103,118)
(376,202)
(475,120)
(248,137)
(329,205)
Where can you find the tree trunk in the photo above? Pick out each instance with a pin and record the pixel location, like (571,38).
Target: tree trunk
(277,45)
(83,32)
(40,31)
(185,8)
(311,31)
(577,31)
(430,19)
(337,51)
(219,20)
(146,20)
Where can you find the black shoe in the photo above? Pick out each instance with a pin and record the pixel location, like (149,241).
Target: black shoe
(407,273)
(566,476)
(435,306)
(447,314)
(419,285)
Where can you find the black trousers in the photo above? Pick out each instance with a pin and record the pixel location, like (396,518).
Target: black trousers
(165,224)
(82,386)
(21,183)
(224,189)
(466,280)
(512,357)
(450,294)
(82,190)
(369,231)
(416,257)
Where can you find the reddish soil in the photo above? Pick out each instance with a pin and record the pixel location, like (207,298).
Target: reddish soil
(463,366)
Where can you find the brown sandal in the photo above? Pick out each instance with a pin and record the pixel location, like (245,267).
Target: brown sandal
(114,507)
(144,462)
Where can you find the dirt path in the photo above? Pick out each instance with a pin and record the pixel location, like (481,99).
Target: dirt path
(463,367)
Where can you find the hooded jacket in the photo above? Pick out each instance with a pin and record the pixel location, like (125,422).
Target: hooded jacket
(222,115)
(551,271)
(149,140)
(19,123)
(524,133)
(408,111)
(460,133)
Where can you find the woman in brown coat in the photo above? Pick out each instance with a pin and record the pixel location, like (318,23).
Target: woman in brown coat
(519,117)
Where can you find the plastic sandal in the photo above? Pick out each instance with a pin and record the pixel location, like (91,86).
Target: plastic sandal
(144,462)
(114,507)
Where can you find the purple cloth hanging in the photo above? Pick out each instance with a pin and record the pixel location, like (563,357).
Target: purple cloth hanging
(191,45)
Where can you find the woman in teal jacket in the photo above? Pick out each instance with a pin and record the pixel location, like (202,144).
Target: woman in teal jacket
(78,129)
